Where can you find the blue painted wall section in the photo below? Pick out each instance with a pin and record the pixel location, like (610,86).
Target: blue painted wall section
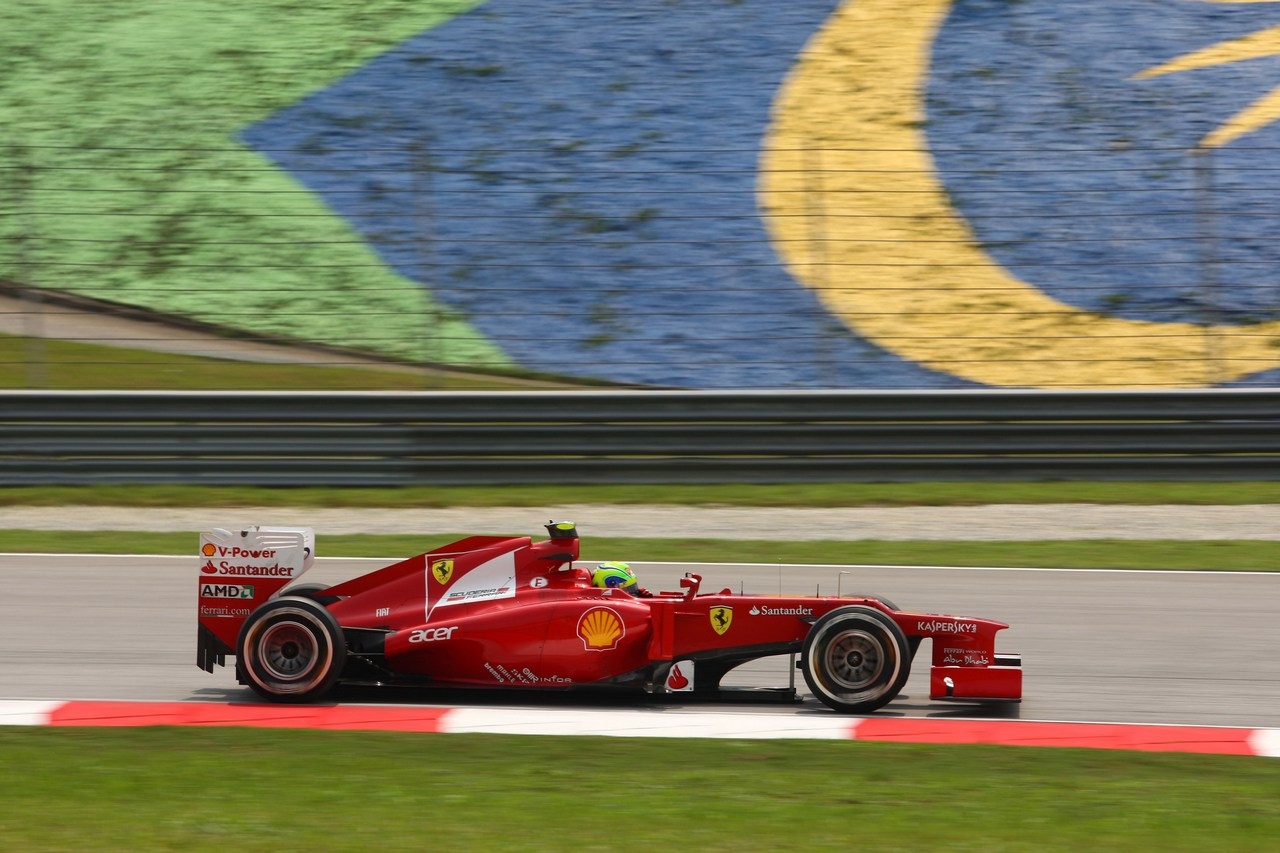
(584,182)
(1108,217)
(591,204)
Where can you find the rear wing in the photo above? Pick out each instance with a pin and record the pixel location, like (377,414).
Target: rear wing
(239,572)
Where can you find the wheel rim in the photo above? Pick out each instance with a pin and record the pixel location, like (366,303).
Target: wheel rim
(288,651)
(854,660)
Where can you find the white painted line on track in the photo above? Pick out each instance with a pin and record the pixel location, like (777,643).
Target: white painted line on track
(386,561)
(100,556)
(955,568)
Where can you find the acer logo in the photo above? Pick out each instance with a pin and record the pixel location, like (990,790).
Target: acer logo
(431,635)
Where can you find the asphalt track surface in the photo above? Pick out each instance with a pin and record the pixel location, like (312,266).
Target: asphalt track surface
(1098,646)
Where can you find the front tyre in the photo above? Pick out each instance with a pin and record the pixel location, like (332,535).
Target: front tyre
(291,650)
(880,598)
(855,659)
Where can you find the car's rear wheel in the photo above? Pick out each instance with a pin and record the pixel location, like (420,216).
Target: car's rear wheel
(855,659)
(313,591)
(291,650)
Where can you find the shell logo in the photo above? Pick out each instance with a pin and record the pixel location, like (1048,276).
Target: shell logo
(209,549)
(600,629)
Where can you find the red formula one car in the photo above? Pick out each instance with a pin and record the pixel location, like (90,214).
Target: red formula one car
(491,611)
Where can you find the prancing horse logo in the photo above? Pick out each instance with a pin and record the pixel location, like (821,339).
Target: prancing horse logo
(442,570)
(721,619)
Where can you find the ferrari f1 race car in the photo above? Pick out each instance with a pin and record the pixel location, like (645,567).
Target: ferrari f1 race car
(499,612)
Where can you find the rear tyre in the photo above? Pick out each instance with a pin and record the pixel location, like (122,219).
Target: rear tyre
(855,659)
(313,591)
(291,650)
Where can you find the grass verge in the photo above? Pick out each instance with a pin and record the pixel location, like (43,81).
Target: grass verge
(250,790)
(796,494)
(1218,555)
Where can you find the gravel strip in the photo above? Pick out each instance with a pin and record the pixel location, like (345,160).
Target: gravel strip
(978,523)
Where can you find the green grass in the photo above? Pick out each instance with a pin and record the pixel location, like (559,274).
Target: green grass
(1218,555)
(129,183)
(68,365)
(781,495)
(257,790)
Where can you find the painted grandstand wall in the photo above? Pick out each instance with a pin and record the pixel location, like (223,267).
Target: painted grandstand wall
(875,194)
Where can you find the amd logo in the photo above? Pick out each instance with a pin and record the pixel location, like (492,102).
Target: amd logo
(226,590)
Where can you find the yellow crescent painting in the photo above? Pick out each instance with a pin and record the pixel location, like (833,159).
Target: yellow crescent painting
(899,266)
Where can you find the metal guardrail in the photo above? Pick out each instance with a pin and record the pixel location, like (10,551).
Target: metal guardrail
(439,438)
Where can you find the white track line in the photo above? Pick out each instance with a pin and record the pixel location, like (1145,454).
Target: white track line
(389,560)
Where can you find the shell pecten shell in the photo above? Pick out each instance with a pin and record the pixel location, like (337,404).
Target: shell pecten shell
(600,629)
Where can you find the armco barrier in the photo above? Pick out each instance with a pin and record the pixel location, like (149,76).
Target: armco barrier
(376,438)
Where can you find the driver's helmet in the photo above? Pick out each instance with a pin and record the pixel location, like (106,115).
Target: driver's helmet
(614,575)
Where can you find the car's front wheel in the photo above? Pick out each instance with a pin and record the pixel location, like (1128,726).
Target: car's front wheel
(291,650)
(855,659)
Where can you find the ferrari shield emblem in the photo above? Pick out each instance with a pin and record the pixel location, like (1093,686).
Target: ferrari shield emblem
(442,570)
(721,619)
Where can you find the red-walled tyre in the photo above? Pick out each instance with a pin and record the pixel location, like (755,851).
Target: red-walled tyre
(291,650)
(880,598)
(855,659)
(315,592)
